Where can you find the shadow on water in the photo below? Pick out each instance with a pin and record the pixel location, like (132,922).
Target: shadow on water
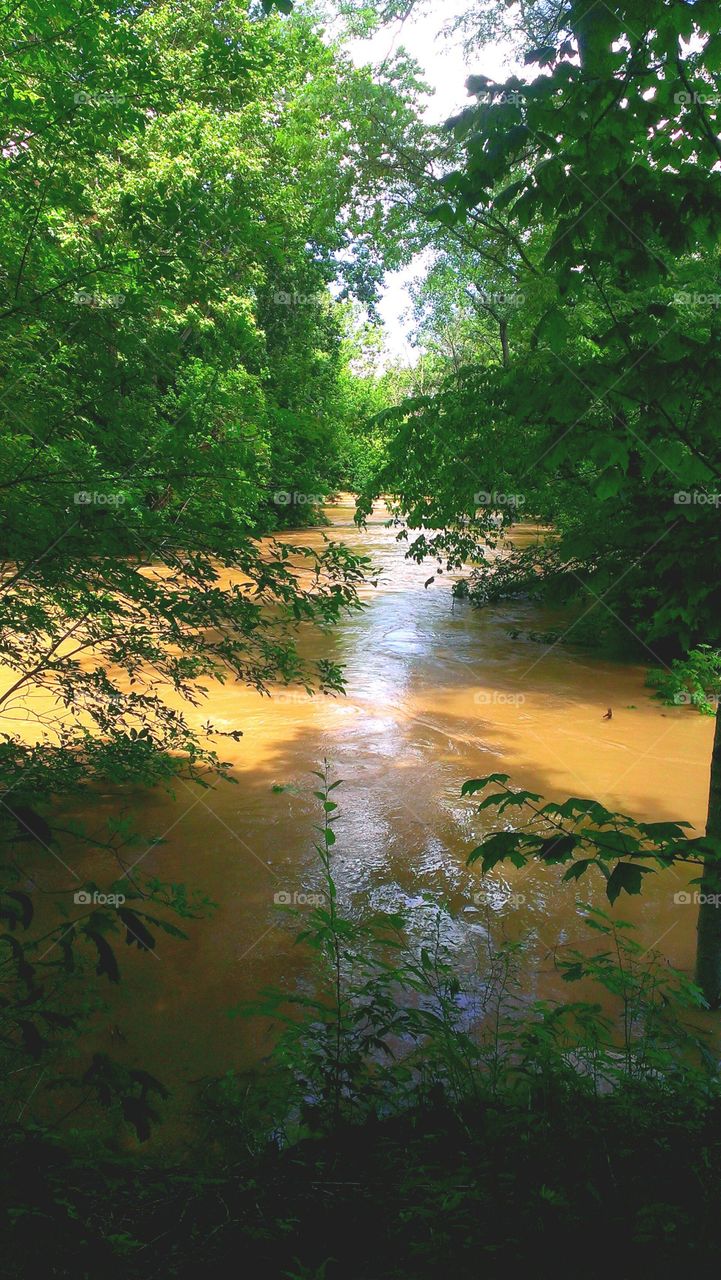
(436,694)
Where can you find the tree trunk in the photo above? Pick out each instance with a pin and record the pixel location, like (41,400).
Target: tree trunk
(708,950)
(504,343)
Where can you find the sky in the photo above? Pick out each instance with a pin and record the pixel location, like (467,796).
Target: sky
(446,69)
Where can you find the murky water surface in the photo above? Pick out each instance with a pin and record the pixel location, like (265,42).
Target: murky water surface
(436,693)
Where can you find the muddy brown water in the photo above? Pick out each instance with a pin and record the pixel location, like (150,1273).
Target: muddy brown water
(436,693)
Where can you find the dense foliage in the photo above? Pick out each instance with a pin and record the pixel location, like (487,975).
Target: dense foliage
(572,312)
(573,315)
(409,1116)
(182,185)
(199,205)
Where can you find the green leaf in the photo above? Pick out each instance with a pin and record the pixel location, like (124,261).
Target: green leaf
(558,848)
(579,868)
(446,215)
(626,877)
(477,784)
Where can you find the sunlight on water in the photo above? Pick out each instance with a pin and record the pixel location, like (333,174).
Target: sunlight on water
(436,693)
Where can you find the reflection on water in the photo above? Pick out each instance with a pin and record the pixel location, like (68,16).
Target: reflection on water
(436,693)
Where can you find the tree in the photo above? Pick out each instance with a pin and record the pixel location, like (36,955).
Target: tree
(175,205)
(611,156)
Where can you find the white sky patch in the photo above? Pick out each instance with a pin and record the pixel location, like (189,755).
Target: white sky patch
(446,69)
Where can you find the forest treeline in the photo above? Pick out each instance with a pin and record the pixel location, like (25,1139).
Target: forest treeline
(200,203)
(570,322)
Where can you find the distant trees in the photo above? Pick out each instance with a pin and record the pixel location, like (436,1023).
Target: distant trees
(596,185)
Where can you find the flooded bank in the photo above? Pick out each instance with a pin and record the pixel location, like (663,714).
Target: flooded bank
(437,692)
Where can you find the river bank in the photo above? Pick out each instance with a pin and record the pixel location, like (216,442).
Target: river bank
(436,693)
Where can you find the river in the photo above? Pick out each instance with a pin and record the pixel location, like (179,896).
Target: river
(437,692)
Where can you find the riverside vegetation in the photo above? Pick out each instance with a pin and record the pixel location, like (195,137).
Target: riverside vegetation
(199,205)
(409,1115)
